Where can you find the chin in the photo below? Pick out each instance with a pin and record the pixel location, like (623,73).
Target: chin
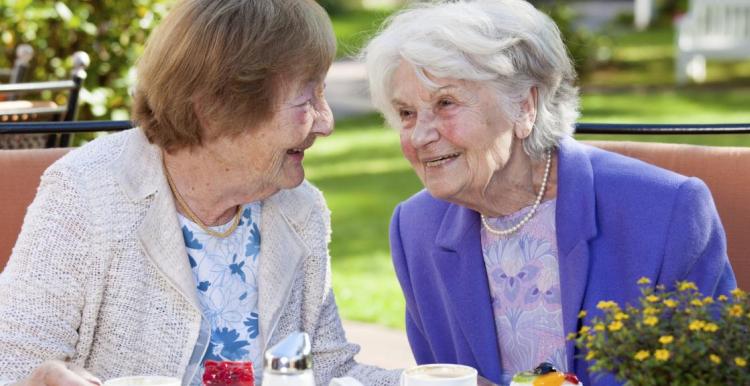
(293,182)
(442,192)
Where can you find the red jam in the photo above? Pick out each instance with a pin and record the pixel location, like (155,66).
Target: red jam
(570,377)
(227,373)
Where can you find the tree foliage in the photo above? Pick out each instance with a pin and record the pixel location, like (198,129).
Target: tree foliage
(112,32)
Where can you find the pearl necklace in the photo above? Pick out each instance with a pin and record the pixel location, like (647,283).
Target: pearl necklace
(527,217)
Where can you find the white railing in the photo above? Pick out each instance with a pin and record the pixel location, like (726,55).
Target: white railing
(712,29)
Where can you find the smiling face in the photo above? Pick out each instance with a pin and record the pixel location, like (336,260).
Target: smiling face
(269,157)
(455,136)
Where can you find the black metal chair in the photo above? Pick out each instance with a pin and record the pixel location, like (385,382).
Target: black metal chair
(42,110)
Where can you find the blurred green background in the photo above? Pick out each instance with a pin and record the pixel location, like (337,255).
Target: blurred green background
(625,76)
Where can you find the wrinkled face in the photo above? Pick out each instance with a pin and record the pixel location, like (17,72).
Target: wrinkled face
(455,136)
(270,156)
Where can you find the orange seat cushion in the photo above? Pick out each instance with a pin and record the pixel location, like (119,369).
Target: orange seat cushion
(20,171)
(724,170)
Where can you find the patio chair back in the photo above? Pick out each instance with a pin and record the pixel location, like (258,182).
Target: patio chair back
(12,110)
(20,171)
(17,74)
(726,171)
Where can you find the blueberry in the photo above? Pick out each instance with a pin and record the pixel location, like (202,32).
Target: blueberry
(544,368)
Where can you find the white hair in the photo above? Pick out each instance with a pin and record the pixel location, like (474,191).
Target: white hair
(506,42)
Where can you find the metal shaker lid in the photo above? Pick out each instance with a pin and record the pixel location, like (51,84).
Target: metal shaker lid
(291,355)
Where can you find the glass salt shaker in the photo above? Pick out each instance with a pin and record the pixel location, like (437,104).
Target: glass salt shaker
(289,362)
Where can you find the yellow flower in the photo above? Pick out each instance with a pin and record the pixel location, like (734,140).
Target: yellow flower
(585,330)
(606,304)
(686,285)
(671,303)
(652,298)
(651,320)
(621,316)
(738,293)
(644,280)
(708,300)
(590,355)
(666,339)
(661,354)
(572,336)
(650,311)
(582,314)
(599,327)
(641,355)
(723,298)
(696,302)
(714,358)
(740,361)
(710,327)
(735,310)
(615,326)
(696,325)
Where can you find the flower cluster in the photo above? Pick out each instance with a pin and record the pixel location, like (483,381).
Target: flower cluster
(674,337)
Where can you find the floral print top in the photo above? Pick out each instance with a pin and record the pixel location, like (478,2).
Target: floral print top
(523,274)
(225,272)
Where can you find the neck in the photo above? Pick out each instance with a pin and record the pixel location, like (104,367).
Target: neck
(518,184)
(211,186)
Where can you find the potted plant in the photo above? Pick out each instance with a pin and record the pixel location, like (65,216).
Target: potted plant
(671,337)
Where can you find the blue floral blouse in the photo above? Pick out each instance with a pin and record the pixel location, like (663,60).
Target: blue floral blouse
(225,272)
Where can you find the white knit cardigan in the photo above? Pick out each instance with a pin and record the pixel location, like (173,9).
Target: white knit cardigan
(100,275)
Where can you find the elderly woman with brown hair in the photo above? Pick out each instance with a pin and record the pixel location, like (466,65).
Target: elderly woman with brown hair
(194,236)
(520,227)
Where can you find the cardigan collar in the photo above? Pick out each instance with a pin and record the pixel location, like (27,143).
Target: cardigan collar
(283,217)
(465,276)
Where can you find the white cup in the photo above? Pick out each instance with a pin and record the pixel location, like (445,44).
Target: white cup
(143,380)
(439,374)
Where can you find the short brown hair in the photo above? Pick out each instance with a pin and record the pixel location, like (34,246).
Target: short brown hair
(230,56)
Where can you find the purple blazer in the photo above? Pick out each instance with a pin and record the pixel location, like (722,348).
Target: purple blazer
(617,219)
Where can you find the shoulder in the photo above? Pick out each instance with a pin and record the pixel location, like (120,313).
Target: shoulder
(93,158)
(626,177)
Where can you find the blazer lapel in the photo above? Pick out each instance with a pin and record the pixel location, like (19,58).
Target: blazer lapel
(459,261)
(161,237)
(281,252)
(575,220)
(139,169)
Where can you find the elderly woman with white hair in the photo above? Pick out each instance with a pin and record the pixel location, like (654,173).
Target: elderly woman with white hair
(520,226)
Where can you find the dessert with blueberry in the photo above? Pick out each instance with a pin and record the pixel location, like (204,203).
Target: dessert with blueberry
(545,375)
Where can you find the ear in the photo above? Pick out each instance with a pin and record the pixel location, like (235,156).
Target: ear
(523,127)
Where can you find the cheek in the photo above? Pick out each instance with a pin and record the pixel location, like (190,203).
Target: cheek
(406,147)
(301,116)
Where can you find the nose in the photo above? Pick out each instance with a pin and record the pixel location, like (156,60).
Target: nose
(323,120)
(425,130)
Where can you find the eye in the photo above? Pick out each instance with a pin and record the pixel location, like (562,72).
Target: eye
(405,114)
(445,102)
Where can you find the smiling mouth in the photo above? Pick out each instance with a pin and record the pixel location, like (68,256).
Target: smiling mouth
(441,160)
